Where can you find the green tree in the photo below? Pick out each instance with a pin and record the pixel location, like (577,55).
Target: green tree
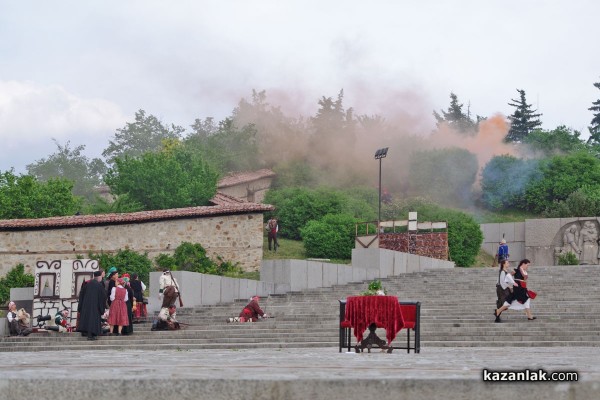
(330,237)
(504,180)
(333,131)
(192,257)
(227,149)
(594,128)
(15,278)
(71,164)
(583,201)
(24,196)
(560,140)
(456,118)
(559,177)
(146,134)
(297,206)
(444,174)
(126,261)
(523,120)
(168,179)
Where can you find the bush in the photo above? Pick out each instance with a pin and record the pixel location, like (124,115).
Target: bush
(15,278)
(561,176)
(126,261)
(504,180)
(192,257)
(330,237)
(568,259)
(297,206)
(583,202)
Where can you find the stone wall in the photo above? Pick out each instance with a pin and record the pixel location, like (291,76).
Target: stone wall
(428,244)
(542,241)
(237,238)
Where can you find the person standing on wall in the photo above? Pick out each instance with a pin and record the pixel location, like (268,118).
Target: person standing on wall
(272,230)
(503,251)
(168,289)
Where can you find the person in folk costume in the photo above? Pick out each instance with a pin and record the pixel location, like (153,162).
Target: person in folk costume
(138,293)
(503,251)
(61,319)
(81,296)
(92,303)
(272,230)
(111,282)
(130,303)
(18,321)
(117,315)
(519,298)
(167,319)
(252,311)
(168,289)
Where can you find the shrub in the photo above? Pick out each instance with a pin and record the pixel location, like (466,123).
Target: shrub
(126,261)
(568,258)
(297,206)
(504,180)
(561,176)
(584,201)
(330,237)
(192,257)
(15,278)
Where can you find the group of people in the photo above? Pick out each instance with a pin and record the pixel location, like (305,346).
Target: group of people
(512,290)
(110,306)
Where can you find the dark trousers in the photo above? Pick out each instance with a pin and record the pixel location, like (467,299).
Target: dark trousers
(273,240)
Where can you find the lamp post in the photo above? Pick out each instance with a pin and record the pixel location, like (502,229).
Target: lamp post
(379,155)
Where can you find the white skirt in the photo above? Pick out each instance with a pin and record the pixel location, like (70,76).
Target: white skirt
(515,305)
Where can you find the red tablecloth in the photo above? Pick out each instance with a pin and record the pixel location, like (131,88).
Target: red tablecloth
(362,311)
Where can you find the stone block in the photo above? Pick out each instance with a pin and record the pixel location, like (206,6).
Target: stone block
(230,288)
(386,263)
(425,263)
(330,274)
(344,274)
(519,231)
(507,230)
(21,294)
(314,274)
(359,274)
(543,255)
(400,263)
(372,274)
(211,289)
(412,264)
(491,232)
(541,232)
(248,288)
(267,271)
(298,274)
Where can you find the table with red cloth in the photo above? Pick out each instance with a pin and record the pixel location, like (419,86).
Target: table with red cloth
(384,311)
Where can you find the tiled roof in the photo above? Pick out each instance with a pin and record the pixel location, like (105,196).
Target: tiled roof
(244,177)
(223,205)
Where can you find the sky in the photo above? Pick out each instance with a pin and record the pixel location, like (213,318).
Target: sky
(76,71)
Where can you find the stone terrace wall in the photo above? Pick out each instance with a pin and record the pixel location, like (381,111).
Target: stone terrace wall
(429,244)
(236,237)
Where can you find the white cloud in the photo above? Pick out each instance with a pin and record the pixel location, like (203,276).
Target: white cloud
(32,114)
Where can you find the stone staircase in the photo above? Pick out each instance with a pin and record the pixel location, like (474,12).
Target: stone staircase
(456,311)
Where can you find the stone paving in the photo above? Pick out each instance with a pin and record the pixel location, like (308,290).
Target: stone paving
(322,373)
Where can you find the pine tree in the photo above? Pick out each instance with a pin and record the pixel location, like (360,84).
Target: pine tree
(455,117)
(595,127)
(523,120)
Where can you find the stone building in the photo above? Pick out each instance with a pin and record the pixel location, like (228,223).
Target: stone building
(249,186)
(230,228)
